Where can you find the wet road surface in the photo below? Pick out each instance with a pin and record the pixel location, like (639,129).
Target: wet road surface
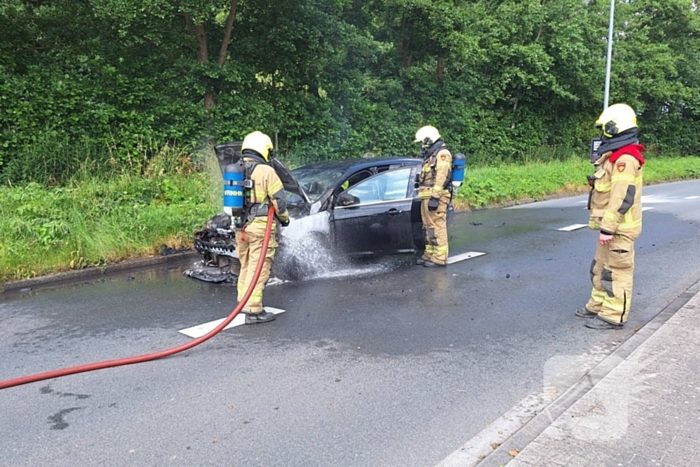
(383,364)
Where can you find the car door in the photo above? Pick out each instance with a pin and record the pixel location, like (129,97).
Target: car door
(378,219)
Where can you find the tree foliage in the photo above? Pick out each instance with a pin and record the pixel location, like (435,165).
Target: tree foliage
(340,78)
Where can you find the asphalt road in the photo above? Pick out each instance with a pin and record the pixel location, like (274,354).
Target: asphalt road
(377,364)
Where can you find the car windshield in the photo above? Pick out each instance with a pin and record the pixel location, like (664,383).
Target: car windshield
(315,182)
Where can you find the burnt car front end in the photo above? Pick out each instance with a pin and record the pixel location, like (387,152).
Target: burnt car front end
(215,241)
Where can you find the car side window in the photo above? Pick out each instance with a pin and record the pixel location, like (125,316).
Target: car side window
(387,186)
(355,178)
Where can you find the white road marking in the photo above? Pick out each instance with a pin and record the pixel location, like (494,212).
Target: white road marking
(202,329)
(653,199)
(463,256)
(572,227)
(647,208)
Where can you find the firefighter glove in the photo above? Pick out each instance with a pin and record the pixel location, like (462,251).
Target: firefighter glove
(433,204)
(285,222)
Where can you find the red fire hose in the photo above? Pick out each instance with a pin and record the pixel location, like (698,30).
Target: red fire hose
(155,355)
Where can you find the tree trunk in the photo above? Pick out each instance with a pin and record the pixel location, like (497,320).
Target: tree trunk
(202,52)
(203,57)
(227,32)
(199,31)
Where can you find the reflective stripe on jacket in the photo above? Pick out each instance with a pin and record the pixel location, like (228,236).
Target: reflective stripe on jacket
(616,202)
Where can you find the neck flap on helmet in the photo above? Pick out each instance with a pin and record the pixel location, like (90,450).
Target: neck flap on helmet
(618,141)
(433,149)
(251,154)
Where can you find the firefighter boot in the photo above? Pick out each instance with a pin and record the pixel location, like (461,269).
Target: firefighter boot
(602,325)
(262,317)
(585,313)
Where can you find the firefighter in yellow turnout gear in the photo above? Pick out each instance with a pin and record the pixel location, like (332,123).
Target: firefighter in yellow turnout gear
(435,195)
(616,212)
(267,189)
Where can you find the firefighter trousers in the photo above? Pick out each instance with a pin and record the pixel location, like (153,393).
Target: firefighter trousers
(249,244)
(612,277)
(435,231)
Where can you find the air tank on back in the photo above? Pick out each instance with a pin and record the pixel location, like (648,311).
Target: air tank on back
(459,164)
(234,193)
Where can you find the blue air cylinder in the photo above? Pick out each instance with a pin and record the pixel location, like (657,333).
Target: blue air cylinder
(459,163)
(234,193)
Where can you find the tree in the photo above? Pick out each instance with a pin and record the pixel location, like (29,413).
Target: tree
(656,64)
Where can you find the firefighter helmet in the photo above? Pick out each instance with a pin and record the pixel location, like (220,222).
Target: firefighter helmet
(427,135)
(258,142)
(616,119)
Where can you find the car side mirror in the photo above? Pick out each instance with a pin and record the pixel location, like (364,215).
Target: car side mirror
(346,199)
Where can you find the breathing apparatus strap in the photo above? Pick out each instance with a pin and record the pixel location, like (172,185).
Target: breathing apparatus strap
(432,153)
(448,180)
(250,209)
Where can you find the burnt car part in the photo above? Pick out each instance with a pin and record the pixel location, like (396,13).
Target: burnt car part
(216,240)
(216,243)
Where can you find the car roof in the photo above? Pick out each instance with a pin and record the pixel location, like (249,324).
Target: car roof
(360,163)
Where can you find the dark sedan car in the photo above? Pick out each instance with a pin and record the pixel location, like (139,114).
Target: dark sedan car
(358,207)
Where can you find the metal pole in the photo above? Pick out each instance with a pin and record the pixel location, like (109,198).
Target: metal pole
(610,43)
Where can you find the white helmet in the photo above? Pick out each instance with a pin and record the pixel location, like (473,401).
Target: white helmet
(616,119)
(427,135)
(258,142)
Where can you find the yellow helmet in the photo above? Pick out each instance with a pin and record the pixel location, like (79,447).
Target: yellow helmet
(427,136)
(616,119)
(258,142)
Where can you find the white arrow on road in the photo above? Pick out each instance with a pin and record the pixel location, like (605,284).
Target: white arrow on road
(202,329)
(463,256)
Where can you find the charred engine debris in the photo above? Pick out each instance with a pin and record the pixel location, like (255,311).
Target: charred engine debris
(216,240)
(216,243)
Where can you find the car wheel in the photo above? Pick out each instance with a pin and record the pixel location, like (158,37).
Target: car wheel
(286,266)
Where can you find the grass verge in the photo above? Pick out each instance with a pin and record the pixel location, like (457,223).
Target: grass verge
(535,181)
(92,221)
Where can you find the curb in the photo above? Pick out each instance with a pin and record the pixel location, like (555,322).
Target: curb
(89,274)
(665,308)
(491,446)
